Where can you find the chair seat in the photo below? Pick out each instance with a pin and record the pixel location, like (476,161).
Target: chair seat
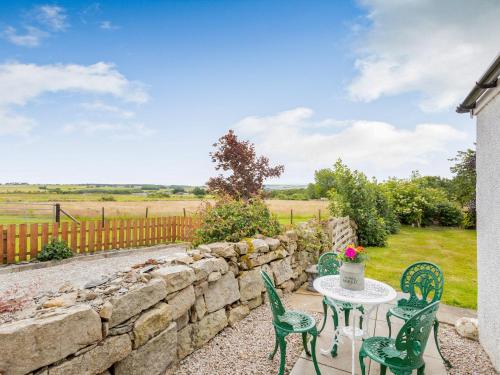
(404,312)
(383,350)
(295,321)
(341,305)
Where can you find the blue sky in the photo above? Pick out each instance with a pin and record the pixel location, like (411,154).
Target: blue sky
(136,92)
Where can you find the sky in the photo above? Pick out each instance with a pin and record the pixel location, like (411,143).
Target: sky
(138,91)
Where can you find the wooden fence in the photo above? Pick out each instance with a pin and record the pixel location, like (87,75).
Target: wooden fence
(22,242)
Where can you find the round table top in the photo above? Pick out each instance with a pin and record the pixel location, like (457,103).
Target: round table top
(375,292)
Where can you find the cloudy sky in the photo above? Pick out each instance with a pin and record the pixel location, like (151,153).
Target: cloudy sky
(136,92)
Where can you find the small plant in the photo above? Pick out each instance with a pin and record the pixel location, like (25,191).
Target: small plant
(55,250)
(108,198)
(233,220)
(353,254)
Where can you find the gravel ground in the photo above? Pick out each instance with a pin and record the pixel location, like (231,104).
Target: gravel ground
(466,356)
(77,272)
(243,349)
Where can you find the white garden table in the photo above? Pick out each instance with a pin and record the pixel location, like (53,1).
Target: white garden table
(374,294)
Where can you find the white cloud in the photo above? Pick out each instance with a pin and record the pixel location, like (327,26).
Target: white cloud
(102,107)
(21,83)
(108,25)
(32,36)
(117,131)
(436,48)
(14,124)
(293,138)
(52,16)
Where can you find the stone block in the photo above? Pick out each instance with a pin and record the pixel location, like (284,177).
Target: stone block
(137,300)
(199,309)
(273,243)
(259,245)
(204,267)
(282,271)
(222,249)
(153,358)
(176,277)
(96,360)
(185,342)
(48,339)
(150,323)
(222,292)
(251,285)
(208,327)
(237,314)
(181,302)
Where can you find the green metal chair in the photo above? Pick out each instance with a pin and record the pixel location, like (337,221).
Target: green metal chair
(328,264)
(286,322)
(405,353)
(424,282)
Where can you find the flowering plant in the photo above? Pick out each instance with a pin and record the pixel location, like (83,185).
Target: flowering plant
(353,254)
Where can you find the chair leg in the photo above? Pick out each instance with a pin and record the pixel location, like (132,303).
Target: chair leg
(347,312)
(362,311)
(362,362)
(325,314)
(304,343)
(314,334)
(282,342)
(383,369)
(421,370)
(388,318)
(276,343)
(436,328)
(335,325)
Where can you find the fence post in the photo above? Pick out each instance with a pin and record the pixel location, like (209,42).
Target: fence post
(291,216)
(58,212)
(102,217)
(319,214)
(3,245)
(184,210)
(147,210)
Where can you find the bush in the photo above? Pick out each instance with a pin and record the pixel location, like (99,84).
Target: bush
(55,250)
(233,220)
(107,198)
(449,214)
(353,195)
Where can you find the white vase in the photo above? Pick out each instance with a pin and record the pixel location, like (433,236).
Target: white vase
(352,276)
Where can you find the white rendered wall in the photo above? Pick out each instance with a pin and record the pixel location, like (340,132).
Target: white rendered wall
(488,234)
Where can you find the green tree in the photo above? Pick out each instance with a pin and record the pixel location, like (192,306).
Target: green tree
(199,192)
(352,194)
(464,184)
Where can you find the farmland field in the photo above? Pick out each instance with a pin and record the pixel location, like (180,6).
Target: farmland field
(34,203)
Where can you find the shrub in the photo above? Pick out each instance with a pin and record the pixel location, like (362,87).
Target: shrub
(233,220)
(313,238)
(55,249)
(353,195)
(449,214)
(107,198)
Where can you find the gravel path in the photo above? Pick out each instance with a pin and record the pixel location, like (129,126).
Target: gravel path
(243,349)
(466,356)
(78,272)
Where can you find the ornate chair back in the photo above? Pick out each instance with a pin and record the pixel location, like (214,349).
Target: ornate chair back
(424,282)
(328,264)
(274,300)
(412,337)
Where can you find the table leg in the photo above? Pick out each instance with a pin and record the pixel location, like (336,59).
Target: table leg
(353,349)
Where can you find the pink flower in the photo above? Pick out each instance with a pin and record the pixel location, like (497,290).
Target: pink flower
(350,253)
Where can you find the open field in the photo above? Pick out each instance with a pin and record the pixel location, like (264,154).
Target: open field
(454,250)
(26,212)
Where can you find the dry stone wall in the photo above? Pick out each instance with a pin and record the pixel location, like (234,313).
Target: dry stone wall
(144,320)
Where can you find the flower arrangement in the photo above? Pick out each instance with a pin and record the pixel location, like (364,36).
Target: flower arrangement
(353,254)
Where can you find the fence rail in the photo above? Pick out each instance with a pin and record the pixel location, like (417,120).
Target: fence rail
(22,242)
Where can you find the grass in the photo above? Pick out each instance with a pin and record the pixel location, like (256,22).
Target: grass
(453,250)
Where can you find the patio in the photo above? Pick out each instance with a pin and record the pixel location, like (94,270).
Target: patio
(304,300)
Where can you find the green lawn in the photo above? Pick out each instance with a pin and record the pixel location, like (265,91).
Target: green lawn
(454,250)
